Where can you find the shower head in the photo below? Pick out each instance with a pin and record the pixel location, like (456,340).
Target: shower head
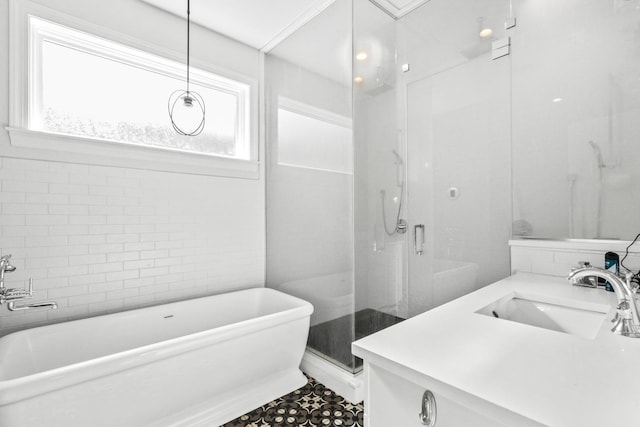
(399,160)
(597,152)
(593,145)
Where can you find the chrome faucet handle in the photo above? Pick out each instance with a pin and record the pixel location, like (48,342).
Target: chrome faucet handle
(628,278)
(624,324)
(14,294)
(5,263)
(618,319)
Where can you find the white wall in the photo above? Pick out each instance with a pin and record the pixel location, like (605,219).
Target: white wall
(97,239)
(591,73)
(557,257)
(309,217)
(458,130)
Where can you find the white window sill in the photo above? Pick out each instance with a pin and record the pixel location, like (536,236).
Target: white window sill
(36,145)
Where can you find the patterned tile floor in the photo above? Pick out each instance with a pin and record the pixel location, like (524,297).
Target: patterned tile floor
(310,406)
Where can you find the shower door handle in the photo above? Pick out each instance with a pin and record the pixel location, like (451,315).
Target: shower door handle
(418,243)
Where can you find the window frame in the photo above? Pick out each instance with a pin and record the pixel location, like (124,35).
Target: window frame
(35,144)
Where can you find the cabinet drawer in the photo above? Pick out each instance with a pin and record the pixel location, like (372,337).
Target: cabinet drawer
(395,401)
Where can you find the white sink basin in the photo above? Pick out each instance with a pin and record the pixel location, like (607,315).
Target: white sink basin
(565,316)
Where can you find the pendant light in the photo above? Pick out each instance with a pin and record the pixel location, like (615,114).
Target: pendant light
(186,107)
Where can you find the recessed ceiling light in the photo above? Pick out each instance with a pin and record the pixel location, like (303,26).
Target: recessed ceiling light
(486,32)
(556,100)
(358,79)
(361,56)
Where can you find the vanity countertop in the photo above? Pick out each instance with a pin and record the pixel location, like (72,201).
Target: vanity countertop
(550,377)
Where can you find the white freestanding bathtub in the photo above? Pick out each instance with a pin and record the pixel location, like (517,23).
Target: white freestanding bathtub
(197,362)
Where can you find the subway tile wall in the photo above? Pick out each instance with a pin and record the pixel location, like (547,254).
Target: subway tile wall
(102,239)
(556,258)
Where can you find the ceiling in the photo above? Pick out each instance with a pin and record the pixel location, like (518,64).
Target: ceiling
(263,23)
(257,23)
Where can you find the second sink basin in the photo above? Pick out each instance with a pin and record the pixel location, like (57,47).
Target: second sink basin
(562,317)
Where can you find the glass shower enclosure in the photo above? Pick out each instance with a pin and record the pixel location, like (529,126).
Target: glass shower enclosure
(388,164)
(309,176)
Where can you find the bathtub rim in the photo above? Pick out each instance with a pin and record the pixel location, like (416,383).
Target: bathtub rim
(21,388)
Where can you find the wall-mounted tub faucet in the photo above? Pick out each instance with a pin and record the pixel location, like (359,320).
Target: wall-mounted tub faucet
(49,304)
(11,295)
(627,321)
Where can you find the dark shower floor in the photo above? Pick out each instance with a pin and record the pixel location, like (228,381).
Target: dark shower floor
(333,339)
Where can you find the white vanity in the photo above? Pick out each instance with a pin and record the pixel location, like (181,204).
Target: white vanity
(529,350)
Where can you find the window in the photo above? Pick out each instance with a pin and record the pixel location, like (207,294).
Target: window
(87,86)
(88,94)
(312,138)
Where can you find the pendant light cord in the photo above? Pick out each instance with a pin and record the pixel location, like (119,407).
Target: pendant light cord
(181,98)
(188,37)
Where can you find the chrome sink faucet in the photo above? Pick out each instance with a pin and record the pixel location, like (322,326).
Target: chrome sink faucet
(11,295)
(627,321)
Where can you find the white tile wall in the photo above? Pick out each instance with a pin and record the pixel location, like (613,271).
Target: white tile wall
(555,258)
(101,239)
(309,219)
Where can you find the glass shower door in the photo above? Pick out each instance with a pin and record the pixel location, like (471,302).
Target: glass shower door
(458,137)
(379,175)
(388,164)
(309,176)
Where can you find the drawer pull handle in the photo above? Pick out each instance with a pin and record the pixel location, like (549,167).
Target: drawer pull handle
(429,412)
